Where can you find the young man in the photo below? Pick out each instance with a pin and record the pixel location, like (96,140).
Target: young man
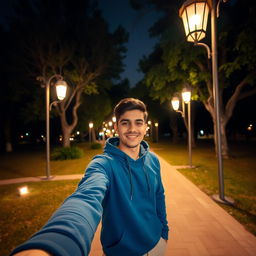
(123,187)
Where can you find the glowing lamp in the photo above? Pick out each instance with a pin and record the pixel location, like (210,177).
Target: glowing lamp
(186,95)
(22,191)
(194,14)
(61,89)
(175,103)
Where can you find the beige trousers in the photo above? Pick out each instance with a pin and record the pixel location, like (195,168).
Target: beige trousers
(158,250)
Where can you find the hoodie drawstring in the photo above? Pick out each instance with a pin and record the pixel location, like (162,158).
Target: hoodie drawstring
(130,177)
(146,174)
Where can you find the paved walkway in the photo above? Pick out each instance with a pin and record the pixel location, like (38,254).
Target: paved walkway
(199,227)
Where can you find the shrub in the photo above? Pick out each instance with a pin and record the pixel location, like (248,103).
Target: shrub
(95,145)
(64,153)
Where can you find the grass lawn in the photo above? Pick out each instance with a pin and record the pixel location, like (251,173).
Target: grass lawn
(22,216)
(239,174)
(30,163)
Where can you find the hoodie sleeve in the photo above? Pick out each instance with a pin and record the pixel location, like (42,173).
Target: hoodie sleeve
(160,205)
(71,228)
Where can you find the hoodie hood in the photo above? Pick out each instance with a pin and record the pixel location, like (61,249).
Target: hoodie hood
(111,147)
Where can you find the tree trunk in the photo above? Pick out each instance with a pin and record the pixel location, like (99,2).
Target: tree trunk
(224,142)
(66,136)
(93,135)
(68,128)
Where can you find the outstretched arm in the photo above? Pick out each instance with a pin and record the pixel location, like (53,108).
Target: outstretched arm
(71,228)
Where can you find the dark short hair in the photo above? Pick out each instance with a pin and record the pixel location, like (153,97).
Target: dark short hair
(128,104)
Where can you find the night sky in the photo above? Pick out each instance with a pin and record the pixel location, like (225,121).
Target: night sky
(118,12)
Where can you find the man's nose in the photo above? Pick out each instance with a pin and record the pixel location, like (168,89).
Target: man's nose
(132,127)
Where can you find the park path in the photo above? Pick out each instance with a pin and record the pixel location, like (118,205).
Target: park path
(199,226)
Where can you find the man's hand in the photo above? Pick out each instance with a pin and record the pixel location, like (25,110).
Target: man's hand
(32,252)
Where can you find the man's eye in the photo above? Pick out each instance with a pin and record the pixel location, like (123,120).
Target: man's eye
(124,123)
(139,123)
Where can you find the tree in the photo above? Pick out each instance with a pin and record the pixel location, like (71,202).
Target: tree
(180,64)
(76,44)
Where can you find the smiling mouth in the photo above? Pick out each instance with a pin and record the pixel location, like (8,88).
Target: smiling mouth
(132,135)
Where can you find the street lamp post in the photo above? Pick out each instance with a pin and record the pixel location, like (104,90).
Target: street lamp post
(90,131)
(186,99)
(194,14)
(150,129)
(61,88)
(156,129)
(186,96)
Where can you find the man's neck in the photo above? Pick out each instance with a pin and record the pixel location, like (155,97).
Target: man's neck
(131,152)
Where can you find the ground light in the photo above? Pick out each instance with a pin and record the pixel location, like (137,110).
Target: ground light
(194,14)
(22,191)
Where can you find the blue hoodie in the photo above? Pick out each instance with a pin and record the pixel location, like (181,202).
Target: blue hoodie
(127,194)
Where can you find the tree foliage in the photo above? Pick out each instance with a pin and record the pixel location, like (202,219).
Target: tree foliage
(70,38)
(174,63)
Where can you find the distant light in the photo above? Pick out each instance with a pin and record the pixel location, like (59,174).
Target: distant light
(110,123)
(23,191)
(149,122)
(186,95)
(21,136)
(175,103)
(77,132)
(42,136)
(148,128)
(156,124)
(201,132)
(90,125)
(113,130)
(114,119)
(71,139)
(27,133)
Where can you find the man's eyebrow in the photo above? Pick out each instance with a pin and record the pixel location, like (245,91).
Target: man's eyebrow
(128,120)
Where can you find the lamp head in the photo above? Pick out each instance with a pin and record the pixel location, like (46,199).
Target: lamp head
(194,14)
(186,95)
(175,103)
(61,89)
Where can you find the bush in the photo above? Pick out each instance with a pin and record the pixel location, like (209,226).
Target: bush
(95,145)
(64,153)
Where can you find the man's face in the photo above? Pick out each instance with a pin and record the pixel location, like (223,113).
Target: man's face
(131,128)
